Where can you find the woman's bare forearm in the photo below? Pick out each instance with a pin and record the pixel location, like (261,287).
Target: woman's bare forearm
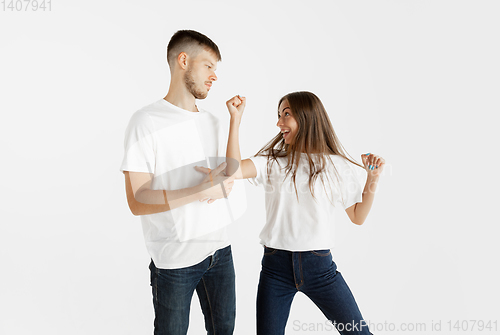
(362,209)
(235,106)
(233,154)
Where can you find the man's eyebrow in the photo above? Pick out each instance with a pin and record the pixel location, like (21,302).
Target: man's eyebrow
(209,61)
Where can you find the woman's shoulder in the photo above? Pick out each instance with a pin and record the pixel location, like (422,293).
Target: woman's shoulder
(338,159)
(341,162)
(275,155)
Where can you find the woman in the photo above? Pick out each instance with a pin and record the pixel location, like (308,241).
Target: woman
(306,174)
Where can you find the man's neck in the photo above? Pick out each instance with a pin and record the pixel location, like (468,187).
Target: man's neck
(181,97)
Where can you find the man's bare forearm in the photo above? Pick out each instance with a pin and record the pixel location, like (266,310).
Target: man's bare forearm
(147,201)
(156,201)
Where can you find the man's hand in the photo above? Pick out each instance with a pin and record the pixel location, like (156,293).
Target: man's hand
(215,185)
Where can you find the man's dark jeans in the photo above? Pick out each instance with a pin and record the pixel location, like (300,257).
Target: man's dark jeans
(213,279)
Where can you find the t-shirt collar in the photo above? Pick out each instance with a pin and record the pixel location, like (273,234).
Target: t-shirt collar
(182,110)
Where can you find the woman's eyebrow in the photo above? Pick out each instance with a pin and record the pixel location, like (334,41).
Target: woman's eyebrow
(284,109)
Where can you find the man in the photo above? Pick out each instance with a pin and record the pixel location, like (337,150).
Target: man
(185,237)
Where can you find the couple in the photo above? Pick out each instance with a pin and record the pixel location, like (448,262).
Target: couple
(170,148)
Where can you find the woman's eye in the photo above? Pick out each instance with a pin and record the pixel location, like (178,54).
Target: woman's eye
(285,114)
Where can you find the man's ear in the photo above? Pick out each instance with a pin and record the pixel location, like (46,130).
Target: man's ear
(182,60)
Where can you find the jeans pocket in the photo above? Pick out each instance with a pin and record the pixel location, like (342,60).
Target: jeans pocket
(269,251)
(323,252)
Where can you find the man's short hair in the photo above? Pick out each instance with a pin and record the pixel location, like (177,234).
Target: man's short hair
(190,42)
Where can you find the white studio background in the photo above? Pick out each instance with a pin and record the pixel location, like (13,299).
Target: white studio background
(414,81)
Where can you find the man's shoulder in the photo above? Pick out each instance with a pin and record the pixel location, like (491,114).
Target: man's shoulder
(209,115)
(152,111)
(152,108)
(141,116)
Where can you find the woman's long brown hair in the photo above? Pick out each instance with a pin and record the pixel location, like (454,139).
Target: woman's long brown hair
(315,135)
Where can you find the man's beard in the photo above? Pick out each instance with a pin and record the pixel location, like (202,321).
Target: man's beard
(191,86)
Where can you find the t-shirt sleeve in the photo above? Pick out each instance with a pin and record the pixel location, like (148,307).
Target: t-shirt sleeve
(260,163)
(139,153)
(351,186)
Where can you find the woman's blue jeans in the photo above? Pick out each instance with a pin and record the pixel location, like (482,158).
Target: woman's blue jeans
(284,273)
(173,289)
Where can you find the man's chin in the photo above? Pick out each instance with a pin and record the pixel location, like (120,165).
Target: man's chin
(201,96)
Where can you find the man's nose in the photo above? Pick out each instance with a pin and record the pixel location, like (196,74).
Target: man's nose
(213,77)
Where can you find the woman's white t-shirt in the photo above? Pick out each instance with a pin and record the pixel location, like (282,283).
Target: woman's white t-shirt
(305,223)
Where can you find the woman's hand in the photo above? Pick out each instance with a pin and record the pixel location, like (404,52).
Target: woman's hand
(236,106)
(374,164)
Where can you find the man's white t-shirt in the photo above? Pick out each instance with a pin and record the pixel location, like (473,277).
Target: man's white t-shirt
(168,142)
(307,223)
